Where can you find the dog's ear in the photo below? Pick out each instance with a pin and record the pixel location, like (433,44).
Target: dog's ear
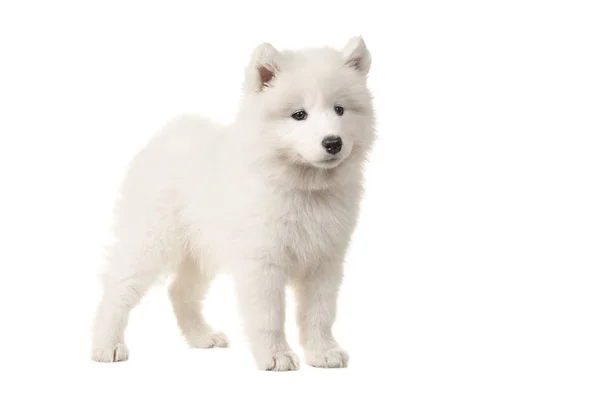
(262,67)
(356,55)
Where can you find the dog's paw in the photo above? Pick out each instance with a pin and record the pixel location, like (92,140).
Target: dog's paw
(208,340)
(281,361)
(109,354)
(332,358)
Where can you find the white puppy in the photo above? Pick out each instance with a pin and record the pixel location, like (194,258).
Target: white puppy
(272,199)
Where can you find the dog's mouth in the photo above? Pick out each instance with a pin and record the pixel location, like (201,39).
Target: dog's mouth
(331,162)
(323,164)
(330,159)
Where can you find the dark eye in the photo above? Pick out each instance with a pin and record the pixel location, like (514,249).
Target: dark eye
(339,110)
(299,115)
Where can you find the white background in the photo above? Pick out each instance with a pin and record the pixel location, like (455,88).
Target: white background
(474,269)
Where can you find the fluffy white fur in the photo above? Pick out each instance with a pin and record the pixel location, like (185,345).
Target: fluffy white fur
(260,199)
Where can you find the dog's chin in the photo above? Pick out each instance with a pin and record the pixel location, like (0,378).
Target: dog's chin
(306,174)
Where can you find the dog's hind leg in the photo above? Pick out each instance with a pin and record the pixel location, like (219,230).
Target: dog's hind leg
(187,292)
(125,282)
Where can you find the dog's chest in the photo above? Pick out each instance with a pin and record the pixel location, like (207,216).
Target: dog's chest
(312,227)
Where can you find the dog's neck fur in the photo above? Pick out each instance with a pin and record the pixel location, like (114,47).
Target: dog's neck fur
(304,177)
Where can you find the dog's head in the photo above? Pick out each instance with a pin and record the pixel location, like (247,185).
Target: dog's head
(312,107)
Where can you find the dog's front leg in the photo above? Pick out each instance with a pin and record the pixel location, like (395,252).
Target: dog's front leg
(316,295)
(261,296)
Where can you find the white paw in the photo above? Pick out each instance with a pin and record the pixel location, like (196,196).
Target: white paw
(333,358)
(114,353)
(281,361)
(209,340)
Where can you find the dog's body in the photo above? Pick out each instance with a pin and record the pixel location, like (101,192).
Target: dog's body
(272,199)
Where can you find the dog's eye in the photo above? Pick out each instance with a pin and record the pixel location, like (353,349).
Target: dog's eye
(299,115)
(339,110)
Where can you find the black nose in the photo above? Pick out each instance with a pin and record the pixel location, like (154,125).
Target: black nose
(332,144)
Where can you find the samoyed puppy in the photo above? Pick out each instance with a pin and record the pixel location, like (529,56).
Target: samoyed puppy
(272,199)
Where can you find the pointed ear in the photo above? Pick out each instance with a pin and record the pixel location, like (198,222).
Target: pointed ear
(356,55)
(262,67)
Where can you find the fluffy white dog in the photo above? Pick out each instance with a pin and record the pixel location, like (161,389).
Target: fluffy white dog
(273,199)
